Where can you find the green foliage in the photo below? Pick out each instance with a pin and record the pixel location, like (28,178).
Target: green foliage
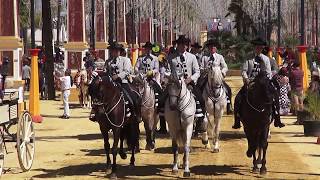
(313,105)
(291,41)
(24,14)
(235,49)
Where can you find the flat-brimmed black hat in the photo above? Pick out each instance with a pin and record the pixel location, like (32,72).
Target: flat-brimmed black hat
(148,44)
(182,40)
(196,45)
(259,42)
(115,45)
(212,42)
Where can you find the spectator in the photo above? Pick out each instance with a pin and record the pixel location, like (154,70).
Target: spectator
(283,81)
(65,88)
(296,82)
(26,75)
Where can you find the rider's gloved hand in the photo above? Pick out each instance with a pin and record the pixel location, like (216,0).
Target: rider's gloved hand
(149,73)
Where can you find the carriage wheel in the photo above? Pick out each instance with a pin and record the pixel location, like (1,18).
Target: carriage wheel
(2,153)
(25,141)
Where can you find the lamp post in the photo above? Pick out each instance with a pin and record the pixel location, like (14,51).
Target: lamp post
(92,29)
(33,44)
(58,23)
(279,23)
(302,24)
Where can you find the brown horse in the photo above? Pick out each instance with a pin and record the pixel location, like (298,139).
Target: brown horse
(109,108)
(256,112)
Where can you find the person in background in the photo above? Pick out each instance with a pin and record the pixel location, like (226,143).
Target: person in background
(65,88)
(296,82)
(273,62)
(26,75)
(283,81)
(196,50)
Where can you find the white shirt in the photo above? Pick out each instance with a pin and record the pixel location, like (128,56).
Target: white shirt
(65,83)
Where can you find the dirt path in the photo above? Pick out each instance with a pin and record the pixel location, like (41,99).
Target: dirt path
(73,149)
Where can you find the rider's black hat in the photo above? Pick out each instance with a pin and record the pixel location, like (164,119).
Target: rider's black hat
(115,45)
(182,40)
(148,44)
(196,45)
(212,42)
(259,42)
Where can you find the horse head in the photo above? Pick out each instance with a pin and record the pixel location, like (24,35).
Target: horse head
(174,89)
(262,88)
(215,79)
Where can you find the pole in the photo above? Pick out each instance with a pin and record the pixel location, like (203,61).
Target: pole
(93,13)
(317,23)
(279,23)
(116,19)
(111,22)
(33,44)
(154,17)
(302,24)
(269,23)
(58,23)
(133,25)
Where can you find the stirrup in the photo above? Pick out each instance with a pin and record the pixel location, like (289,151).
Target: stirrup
(199,115)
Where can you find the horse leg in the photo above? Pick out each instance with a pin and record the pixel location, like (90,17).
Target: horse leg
(175,156)
(122,153)
(188,135)
(255,168)
(216,134)
(116,137)
(148,136)
(104,132)
(264,146)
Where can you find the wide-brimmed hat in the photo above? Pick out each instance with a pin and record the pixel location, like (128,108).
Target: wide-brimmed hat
(115,45)
(148,44)
(259,42)
(182,40)
(196,45)
(212,42)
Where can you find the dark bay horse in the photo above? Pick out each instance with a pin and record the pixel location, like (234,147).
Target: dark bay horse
(109,108)
(256,113)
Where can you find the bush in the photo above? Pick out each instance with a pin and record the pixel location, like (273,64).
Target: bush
(313,105)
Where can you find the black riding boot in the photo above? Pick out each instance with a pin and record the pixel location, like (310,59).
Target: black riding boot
(237,117)
(276,115)
(163,125)
(229,98)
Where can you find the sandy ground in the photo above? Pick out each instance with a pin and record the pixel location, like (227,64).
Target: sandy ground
(73,149)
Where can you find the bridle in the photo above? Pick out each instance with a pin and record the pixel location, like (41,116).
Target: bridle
(182,98)
(107,108)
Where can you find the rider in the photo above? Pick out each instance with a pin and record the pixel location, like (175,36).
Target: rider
(196,50)
(186,65)
(251,68)
(119,68)
(216,60)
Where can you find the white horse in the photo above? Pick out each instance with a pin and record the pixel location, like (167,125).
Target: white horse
(149,115)
(180,109)
(216,102)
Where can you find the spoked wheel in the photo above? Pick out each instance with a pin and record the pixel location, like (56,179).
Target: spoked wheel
(25,141)
(2,153)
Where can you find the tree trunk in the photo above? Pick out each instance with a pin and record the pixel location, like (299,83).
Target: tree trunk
(47,42)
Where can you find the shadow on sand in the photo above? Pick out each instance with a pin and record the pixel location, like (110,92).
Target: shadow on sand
(98,170)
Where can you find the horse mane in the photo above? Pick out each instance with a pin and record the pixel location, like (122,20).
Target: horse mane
(216,74)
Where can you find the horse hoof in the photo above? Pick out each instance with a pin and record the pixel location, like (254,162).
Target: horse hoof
(113,176)
(263,171)
(175,171)
(255,170)
(204,142)
(186,174)
(216,150)
(123,155)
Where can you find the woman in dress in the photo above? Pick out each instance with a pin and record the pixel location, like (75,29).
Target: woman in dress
(283,81)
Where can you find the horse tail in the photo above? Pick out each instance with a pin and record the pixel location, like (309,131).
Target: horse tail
(131,134)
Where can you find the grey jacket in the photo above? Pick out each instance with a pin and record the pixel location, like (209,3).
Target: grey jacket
(248,66)
(218,62)
(120,66)
(190,67)
(147,63)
